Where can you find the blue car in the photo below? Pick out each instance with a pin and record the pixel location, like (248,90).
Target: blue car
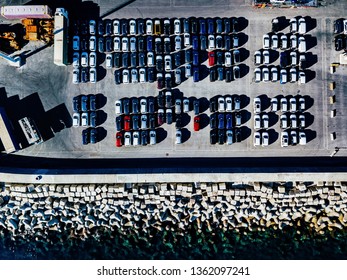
(85,137)
(196,74)
(229,121)
(149,44)
(84,103)
(202,24)
(210,24)
(195,42)
(220,121)
(195,58)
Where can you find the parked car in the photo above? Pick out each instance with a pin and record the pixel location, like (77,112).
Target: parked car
(274,41)
(196,123)
(283,76)
(264,138)
(266,41)
(257,75)
(284,105)
(76,119)
(256,139)
(229,137)
(284,139)
(293,25)
(257,105)
(178,136)
(274,104)
(274,74)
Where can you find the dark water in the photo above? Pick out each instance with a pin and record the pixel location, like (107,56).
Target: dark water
(219,244)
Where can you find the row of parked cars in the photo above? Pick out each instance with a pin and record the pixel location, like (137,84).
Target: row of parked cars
(286,59)
(283,104)
(296,25)
(225,103)
(84,119)
(340,26)
(89,135)
(293,137)
(267,74)
(274,42)
(225,120)
(136,138)
(340,42)
(222,136)
(84,103)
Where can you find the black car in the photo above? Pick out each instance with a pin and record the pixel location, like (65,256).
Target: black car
(203,43)
(150,74)
(119,123)
(213,104)
(213,75)
(161,100)
(160,118)
(101,45)
(117,77)
(140,26)
(213,137)
(159,65)
(186,25)
(166,28)
(76,102)
(168,100)
(141,44)
(167,45)
(235,25)
(84,45)
(151,104)
(220,58)
(339,43)
(125,60)
(196,106)
(85,137)
(177,59)
(178,121)
(238,135)
(124,27)
(151,122)
(84,27)
(135,122)
(144,137)
(275,25)
(213,121)
(237,72)
(76,27)
(109,46)
(228,75)
(338,26)
(169,116)
(108,27)
(188,56)
(133,59)
(126,106)
(160,81)
(92,102)
(194,25)
(158,46)
(142,59)
(149,43)
(227,42)
(168,81)
(117,60)
(236,55)
(283,60)
(135,105)
(93,119)
(219,42)
(101,30)
(227,25)
(93,135)
(221,136)
(84,75)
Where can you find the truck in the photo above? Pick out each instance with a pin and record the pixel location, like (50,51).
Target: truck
(30,11)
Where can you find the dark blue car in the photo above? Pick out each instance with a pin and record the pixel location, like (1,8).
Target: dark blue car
(149,44)
(220,121)
(196,77)
(195,42)
(229,121)
(202,24)
(210,24)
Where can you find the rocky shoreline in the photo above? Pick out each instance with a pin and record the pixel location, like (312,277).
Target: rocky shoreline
(37,210)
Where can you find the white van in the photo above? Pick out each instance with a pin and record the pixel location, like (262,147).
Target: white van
(302,77)
(302,44)
(257,75)
(302,26)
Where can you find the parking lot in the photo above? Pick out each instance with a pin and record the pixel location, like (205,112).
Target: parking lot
(55,88)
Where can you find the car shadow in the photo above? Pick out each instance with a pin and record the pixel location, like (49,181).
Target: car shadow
(59,118)
(265,102)
(177,94)
(204,121)
(243,23)
(101,117)
(274,55)
(101,100)
(244,54)
(310,42)
(273,118)
(310,134)
(283,23)
(243,39)
(309,119)
(102,133)
(101,73)
(273,136)
(244,70)
(311,23)
(309,101)
(310,75)
(203,56)
(245,100)
(204,104)
(245,132)
(185,119)
(185,134)
(245,116)
(311,59)
(161,134)
(203,72)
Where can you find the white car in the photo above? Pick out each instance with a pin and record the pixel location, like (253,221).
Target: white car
(266,41)
(283,76)
(294,137)
(186,39)
(168,65)
(134,76)
(257,58)
(266,74)
(126,76)
(274,41)
(302,121)
(302,26)
(257,105)
(257,122)
(92,75)
(284,42)
(178,43)
(92,27)
(149,27)
(84,59)
(283,121)
(117,44)
(116,27)
(178,136)
(274,74)
(109,61)
(178,106)
(265,139)
(125,44)
(177,26)
(227,59)
(274,104)
(118,107)
(256,139)
(152,137)
(302,138)
(92,59)
(257,75)
(133,44)
(302,44)
(229,137)
(84,119)
(142,74)
(293,75)
(211,42)
(76,120)
(293,41)
(293,58)
(127,138)
(188,70)
(292,104)
(293,121)
(266,57)
(293,25)
(76,59)
(76,75)
(237,103)
(150,59)
(302,104)
(228,104)
(265,120)
(302,77)
(221,104)
(76,43)
(284,139)
(284,105)
(92,43)
(143,106)
(185,105)
(132,27)
(136,138)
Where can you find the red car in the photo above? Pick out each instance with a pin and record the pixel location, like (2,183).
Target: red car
(211,58)
(119,138)
(196,123)
(127,123)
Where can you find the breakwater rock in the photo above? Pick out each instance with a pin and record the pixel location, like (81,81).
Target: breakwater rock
(38,209)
